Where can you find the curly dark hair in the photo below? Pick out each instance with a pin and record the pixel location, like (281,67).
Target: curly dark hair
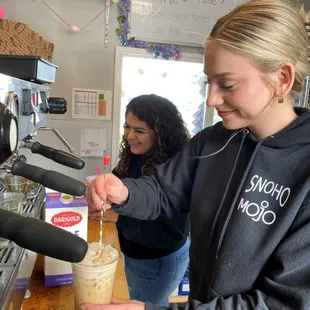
(171,133)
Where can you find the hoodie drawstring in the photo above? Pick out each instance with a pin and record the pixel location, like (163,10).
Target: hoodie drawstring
(224,228)
(245,132)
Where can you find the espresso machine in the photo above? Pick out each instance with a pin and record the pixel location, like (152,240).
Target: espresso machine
(25,109)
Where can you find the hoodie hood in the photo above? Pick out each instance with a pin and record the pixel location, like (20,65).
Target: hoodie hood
(297,133)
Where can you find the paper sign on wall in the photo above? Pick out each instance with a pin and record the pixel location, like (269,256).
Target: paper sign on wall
(93,142)
(91,104)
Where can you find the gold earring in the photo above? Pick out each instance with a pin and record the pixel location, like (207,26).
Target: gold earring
(280,99)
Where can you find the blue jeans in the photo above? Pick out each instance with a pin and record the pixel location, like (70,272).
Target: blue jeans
(153,280)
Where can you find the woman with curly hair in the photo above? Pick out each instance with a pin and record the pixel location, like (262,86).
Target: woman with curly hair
(156,252)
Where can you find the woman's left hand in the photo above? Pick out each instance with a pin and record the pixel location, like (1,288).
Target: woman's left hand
(116,305)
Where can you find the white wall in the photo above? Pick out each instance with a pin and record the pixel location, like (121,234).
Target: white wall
(83,62)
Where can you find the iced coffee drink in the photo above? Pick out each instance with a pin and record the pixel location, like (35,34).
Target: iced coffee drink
(93,278)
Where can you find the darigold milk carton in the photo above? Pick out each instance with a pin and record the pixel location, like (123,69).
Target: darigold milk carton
(70,213)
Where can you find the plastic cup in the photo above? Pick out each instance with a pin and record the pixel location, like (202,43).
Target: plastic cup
(93,282)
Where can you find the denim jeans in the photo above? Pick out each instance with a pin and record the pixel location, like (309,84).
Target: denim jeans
(153,280)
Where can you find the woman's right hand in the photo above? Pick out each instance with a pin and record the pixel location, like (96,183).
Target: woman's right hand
(108,188)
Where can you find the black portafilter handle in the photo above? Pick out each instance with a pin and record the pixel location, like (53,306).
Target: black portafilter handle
(49,178)
(58,156)
(42,237)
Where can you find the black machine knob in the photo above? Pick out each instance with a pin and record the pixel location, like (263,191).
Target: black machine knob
(57,105)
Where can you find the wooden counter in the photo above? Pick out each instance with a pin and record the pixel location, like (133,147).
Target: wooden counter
(61,297)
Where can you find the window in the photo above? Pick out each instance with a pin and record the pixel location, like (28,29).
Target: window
(182,82)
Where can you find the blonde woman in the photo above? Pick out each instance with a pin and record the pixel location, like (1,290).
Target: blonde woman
(246,180)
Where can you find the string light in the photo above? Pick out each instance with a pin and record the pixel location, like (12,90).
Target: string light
(74,28)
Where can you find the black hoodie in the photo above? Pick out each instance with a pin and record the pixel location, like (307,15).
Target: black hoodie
(249,215)
(149,239)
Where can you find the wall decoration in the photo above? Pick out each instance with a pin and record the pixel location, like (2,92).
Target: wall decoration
(165,51)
